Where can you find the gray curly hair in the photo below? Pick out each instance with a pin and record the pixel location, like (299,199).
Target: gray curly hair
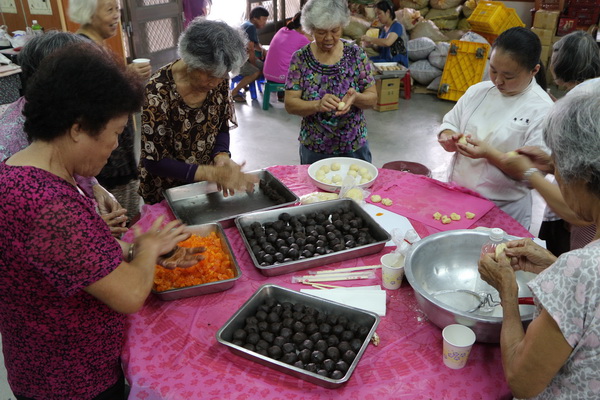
(213,46)
(82,11)
(572,132)
(325,14)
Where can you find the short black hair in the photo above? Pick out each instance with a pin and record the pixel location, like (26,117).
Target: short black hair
(80,83)
(258,12)
(525,48)
(385,6)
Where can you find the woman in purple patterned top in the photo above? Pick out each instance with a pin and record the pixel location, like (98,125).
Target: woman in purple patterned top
(559,354)
(329,83)
(66,282)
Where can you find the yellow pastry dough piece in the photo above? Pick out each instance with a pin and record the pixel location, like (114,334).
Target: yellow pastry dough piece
(364,180)
(376,198)
(355,194)
(324,168)
(354,167)
(336,166)
(327,181)
(387,202)
(337,178)
(455,217)
(352,173)
(445,219)
(469,215)
(463,140)
(341,105)
(512,154)
(437,216)
(500,252)
(362,171)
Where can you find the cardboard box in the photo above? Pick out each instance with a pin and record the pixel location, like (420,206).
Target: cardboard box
(388,90)
(545,35)
(566,26)
(546,19)
(386,107)
(546,53)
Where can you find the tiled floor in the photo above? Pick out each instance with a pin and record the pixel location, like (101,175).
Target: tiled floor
(266,138)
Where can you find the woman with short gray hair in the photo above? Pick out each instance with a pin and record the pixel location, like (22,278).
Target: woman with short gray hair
(188,112)
(557,357)
(575,59)
(329,84)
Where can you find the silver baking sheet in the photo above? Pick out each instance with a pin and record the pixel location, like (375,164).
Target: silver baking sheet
(211,287)
(201,202)
(281,294)
(377,232)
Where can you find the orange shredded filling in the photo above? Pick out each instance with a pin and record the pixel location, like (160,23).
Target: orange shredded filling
(216,266)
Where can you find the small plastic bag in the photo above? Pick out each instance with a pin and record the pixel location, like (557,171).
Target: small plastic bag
(350,190)
(316,197)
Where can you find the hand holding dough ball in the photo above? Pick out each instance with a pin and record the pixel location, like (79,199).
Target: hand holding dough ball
(387,202)
(376,198)
(341,105)
(335,166)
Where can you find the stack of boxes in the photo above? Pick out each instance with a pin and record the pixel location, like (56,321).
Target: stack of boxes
(544,26)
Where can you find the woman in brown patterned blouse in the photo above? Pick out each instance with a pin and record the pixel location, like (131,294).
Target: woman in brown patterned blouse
(188,112)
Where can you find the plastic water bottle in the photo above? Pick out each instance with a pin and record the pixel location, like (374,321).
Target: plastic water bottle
(496,237)
(36,28)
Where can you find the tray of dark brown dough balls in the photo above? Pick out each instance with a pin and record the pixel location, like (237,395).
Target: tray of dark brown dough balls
(314,339)
(311,235)
(202,203)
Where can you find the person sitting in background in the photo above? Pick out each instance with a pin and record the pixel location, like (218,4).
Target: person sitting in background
(66,282)
(558,356)
(329,83)
(99,21)
(188,112)
(13,138)
(574,64)
(195,8)
(498,116)
(253,67)
(284,44)
(391,41)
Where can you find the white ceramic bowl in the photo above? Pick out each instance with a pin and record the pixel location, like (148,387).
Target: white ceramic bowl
(345,164)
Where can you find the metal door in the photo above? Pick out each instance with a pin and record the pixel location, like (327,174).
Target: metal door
(153,28)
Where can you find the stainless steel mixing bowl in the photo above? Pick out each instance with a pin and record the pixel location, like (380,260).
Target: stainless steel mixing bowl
(442,269)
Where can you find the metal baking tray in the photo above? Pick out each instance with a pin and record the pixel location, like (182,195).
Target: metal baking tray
(201,202)
(377,232)
(211,287)
(281,294)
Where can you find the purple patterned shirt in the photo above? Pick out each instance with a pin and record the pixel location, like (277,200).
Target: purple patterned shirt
(59,342)
(324,132)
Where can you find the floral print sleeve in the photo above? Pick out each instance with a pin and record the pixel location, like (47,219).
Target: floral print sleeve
(325,132)
(570,292)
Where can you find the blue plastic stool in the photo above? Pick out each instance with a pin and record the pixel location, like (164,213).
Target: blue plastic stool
(236,79)
(269,88)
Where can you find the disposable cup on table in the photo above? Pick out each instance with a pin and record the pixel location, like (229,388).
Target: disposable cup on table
(392,270)
(458,341)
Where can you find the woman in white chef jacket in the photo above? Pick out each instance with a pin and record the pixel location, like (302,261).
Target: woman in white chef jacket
(496,117)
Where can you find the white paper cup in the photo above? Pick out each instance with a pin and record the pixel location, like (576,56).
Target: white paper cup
(392,270)
(458,340)
(141,61)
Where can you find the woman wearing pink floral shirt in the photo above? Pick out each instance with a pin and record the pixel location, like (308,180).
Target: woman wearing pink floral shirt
(558,357)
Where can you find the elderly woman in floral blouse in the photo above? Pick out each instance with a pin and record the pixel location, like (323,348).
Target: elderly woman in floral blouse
(329,83)
(188,112)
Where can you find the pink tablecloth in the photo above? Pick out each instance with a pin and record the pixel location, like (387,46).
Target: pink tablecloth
(171,351)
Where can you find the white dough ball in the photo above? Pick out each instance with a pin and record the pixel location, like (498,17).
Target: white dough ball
(324,168)
(352,173)
(362,171)
(335,166)
(337,178)
(354,167)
